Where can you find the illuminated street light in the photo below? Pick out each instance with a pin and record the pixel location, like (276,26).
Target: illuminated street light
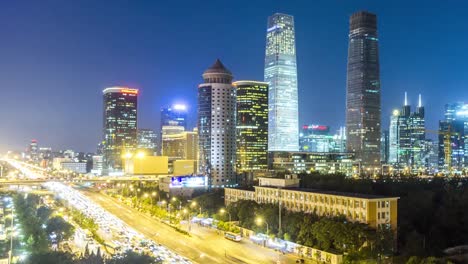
(222,211)
(259,222)
(141,155)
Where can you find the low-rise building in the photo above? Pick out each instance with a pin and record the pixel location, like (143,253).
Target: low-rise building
(368,209)
(323,162)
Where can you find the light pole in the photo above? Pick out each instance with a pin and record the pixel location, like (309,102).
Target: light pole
(188,218)
(260,221)
(10,254)
(194,204)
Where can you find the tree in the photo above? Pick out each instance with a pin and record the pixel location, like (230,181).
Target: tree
(61,229)
(43,213)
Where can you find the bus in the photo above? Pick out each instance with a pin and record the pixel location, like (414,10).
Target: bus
(232,236)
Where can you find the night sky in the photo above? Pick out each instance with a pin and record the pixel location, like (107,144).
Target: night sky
(56,57)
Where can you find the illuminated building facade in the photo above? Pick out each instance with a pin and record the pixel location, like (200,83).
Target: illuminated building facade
(217,126)
(147,141)
(181,145)
(408,146)
(281,76)
(33,150)
(304,162)
(456,122)
(363,120)
(317,138)
(368,209)
(120,125)
(175,115)
(252,125)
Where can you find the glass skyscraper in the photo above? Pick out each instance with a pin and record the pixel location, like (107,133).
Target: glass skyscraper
(120,125)
(217,126)
(363,120)
(281,76)
(175,115)
(252,126)
(147,140)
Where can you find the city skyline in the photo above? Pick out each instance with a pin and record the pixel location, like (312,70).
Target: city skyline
(64,101)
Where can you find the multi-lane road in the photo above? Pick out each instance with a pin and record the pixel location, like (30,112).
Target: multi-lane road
(203,246)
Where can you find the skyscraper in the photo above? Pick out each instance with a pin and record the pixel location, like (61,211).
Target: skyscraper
(363,119)
(408,147)
(281,76)
(217,126)
(252,125)
(120,125)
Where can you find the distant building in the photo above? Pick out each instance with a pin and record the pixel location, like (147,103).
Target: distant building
(33,150)
(385,147)
(453,138)
(407,136)
(317,138)
(97,165)
(281,76)
(252,125)
(120,125)
(66,164)
(217,126)
(147,141)
(179,144)
(175,115)
(368,209)
(363,120)
(306,162)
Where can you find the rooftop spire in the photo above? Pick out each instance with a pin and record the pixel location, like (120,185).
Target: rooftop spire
(419,101)
(406,99)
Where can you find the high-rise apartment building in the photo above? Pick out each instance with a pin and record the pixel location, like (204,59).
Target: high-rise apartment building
(120,125)
(363,120)
(281,76)
(252,125)
(217,126)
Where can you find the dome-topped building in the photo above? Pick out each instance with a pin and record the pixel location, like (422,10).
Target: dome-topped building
(217,126)
(217,73)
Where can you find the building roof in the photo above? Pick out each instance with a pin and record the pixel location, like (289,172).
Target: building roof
(344,194)
(218,67)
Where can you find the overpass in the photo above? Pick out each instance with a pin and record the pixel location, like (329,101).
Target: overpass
(92,180)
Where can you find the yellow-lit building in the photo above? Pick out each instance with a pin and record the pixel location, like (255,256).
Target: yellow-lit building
(251,125)
(368,209)
(146,165)
(184,167)
(179,144)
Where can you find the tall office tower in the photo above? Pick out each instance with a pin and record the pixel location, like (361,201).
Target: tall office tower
(281,76)
(252,125)
(363,119)
(453,138)
(120,125)
(147,141)
(408,146)
(217,126)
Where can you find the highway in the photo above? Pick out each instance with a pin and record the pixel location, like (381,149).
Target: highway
(204,245)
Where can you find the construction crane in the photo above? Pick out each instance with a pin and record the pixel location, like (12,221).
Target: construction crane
(447,144)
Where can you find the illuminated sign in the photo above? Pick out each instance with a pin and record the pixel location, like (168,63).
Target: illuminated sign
(129,91)
(188,181)
(316,127)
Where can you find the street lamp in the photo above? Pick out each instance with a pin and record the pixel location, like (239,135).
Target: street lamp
(188,218)
(194,204)
(222,211)
(259,221)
